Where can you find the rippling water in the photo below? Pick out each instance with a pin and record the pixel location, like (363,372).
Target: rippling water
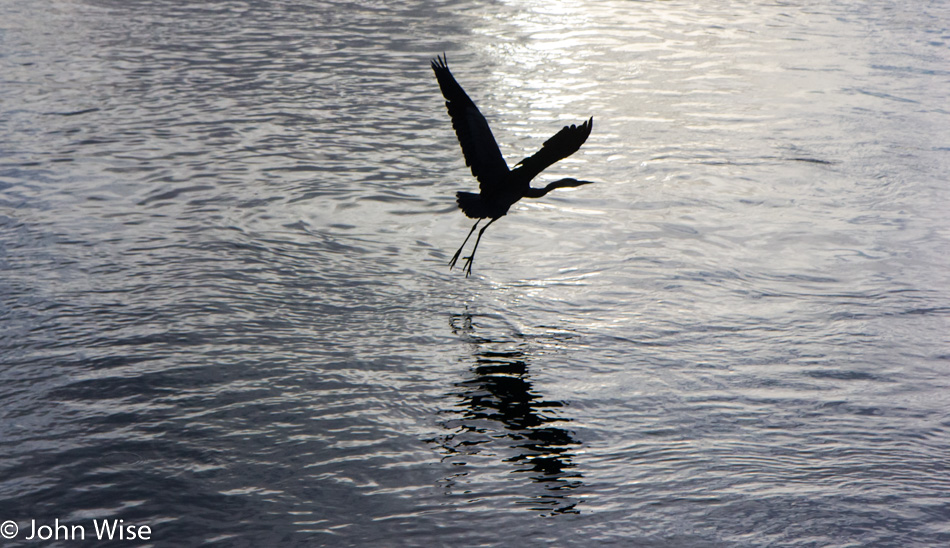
(226,312)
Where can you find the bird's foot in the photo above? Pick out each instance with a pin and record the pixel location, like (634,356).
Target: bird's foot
(455,259)
(468,266)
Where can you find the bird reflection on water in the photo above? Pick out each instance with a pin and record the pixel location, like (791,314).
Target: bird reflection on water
(499,414)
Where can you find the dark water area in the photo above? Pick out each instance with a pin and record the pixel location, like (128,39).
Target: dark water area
(226,312)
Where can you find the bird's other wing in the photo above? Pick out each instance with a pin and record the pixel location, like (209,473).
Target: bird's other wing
(563,144)
(478,144)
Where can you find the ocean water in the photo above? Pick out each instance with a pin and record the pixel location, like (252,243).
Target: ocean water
(226,312)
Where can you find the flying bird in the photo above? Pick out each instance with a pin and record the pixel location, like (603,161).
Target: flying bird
(499,187)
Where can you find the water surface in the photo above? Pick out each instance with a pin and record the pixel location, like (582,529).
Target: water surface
(225,310)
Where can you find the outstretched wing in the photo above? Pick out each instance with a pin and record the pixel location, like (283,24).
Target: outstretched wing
(478,144)
(563,144)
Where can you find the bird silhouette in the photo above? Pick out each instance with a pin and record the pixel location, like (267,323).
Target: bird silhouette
(499,187)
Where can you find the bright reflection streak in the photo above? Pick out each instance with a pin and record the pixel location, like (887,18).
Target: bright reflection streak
(682,95)
(546,60)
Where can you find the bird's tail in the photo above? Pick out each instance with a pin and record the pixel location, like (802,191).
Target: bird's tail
(471,204)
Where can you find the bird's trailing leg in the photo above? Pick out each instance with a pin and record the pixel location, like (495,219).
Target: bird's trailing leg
(455,257)
(470,258)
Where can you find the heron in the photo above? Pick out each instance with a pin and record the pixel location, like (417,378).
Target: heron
(499,187)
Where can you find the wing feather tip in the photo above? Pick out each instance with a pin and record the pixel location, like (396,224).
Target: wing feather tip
(440,62)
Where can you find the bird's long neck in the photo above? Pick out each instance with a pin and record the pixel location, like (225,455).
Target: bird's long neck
(537,192)
(562,183)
